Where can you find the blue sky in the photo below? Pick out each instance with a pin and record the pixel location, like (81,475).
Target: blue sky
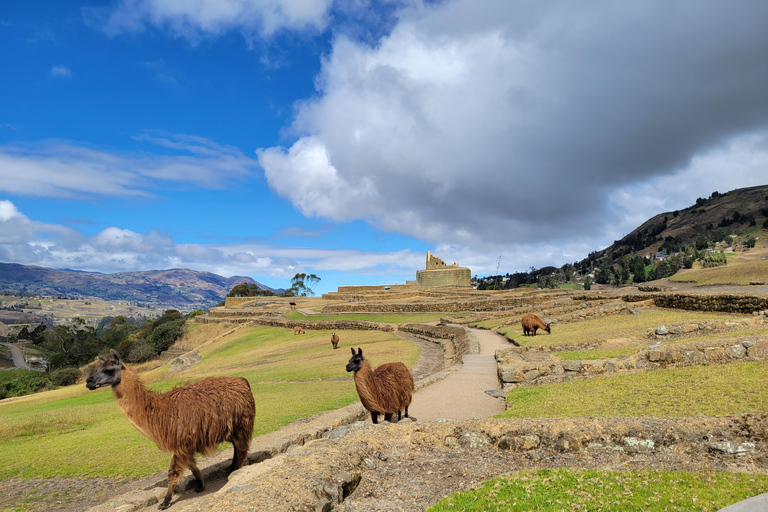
(347,138)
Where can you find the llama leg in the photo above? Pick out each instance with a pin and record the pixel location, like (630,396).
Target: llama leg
(374,417)
(406,411)
(174,473)
(199,484)
(241,453)
(388,417)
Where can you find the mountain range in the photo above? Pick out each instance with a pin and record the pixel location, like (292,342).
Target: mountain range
(178,288)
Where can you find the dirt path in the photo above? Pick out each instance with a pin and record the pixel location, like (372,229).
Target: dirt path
(462,395)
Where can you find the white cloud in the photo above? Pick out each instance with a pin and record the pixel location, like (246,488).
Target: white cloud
(117,249)
(516,125)
(61,71)
(197,19)
(63,169)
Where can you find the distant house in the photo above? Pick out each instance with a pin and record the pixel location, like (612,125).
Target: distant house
(661,256)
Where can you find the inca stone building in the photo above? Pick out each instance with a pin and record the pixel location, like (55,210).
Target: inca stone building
(439,274)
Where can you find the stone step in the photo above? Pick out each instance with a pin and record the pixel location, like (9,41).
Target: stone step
(478,363)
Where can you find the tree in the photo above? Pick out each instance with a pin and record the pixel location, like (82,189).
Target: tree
(70,345)
(302,284)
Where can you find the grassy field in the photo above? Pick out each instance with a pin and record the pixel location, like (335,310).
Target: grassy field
(710,390)
(742,268)
(383,318)
(73,432)
(590,490)
(609,327)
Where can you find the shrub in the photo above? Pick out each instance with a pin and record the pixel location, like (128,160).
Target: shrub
(66,376)
(195,313)
(23,382)
(163,336)
(140,352)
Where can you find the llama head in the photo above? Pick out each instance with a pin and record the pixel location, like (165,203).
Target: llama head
(356,361)
(549,331)
(108,373)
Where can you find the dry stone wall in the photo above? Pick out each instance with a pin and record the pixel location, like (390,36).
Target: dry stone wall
(521,367)
(724,302)
(315,325)
(457,340)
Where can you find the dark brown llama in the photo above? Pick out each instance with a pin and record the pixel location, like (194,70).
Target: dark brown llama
(335,340)
(190,419)
(531,323)
(386,390)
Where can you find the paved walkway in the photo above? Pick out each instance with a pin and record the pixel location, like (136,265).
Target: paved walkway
(462,395)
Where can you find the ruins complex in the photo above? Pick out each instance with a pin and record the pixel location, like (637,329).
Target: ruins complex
(438,274)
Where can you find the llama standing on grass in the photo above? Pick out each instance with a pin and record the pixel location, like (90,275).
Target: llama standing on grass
(531,323)
(334,340)
(297,329)
(386,390)
(190,419)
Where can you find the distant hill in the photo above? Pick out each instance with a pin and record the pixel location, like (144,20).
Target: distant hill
(739,212)
(180,288)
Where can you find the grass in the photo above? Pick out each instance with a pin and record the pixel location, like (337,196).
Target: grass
(609,327)
(742,268)
(73,432)
(382,318)
(555,490)
(735,388)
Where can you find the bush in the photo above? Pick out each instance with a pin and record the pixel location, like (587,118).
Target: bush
(140,352)
(23,382)
(66,376)
(163,336)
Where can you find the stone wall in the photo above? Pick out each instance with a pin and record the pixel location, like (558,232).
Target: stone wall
(724,302)
(458,340)
(314,325)
(520,367)
(239,302)
(449,276)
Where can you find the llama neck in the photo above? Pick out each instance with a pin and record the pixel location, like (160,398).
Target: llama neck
(367,388)
(134,399)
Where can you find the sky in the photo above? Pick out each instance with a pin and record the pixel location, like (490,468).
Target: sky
(346,138)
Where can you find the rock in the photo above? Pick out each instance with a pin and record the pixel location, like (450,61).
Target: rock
(731,448)
(473,440)
(635,445)
(571,365)
(736,351)
(661,330)
(518,443)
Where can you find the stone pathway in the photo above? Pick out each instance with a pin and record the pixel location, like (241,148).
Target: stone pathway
(462,394)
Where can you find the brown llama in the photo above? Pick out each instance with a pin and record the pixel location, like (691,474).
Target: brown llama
(531,323)
(298,330)
(386,390)
(335,340)
(190,419)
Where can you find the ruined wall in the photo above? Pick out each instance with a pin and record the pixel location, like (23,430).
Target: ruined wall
(520,367)
(458,340)
(449,276)
(724,302)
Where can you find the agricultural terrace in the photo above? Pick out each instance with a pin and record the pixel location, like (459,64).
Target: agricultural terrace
(73,432)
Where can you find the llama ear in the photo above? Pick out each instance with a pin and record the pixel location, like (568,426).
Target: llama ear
(115,356)
(359,351)
(353,351)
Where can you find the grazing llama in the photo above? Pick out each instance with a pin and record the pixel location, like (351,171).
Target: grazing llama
(531,323)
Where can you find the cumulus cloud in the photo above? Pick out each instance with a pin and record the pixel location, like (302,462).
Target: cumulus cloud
(198,19)
(64,169)
(520,123)
(117,249)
